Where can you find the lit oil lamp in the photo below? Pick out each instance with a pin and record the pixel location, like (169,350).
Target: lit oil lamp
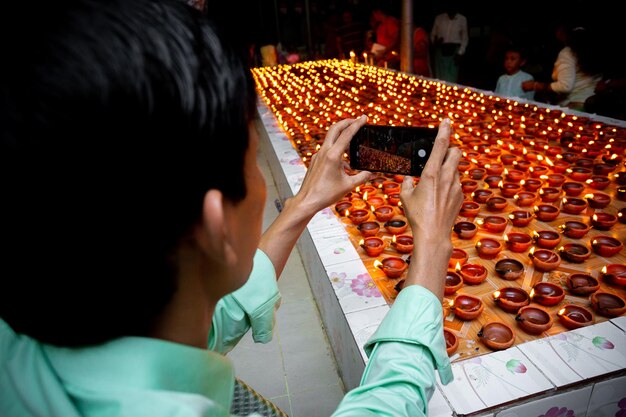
(358,216)
(520,218)
(497,335)
(514,175)
(525,198)
(534,320)
(522,165)
(582,284)
(366,190)
(378,182)
(544,260)
(494,224)
(481,196)
(488,248)
(603,169)
(496,204)
(469,209)
(621,193)
(494,169)
(509,189)
(574,252)
(607,304)
(393,199)
(457,258)
(509,269)
(467,307)
(538,172)
(549,194)
(598,183)
(603,221)
(606,246)
(572,189)
(547,239)
(453,283)
(493,181)
(464,166)
(531,184)
(375,201)
(574,229)
(546,212)
(560,166)
(518,242)
(452,341)
(547,294)
(614,274)
(621,215)
(584,163)
(396,226)
(573,316)
(555,180)
(372,245)
(465,230)
(390,187)
(511,299)
(392,266)
(359,204)
(620,178)
(368,228)
(573,205)
(343,208)
(472,274)
(580,174)
(554,151)
(468,186)
(383,213)
(508,159)
(598,200)
(398,178)
(402,243)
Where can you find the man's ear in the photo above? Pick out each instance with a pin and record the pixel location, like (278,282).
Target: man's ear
(213,234)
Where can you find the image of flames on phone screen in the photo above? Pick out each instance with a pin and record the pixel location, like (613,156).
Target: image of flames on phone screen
(392,149)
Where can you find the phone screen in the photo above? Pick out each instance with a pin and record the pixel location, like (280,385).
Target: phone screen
(392,149)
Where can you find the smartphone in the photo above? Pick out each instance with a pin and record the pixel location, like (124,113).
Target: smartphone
(392,149)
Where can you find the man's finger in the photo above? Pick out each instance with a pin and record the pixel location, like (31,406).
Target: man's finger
(440,149)
(335,130)
(348,133)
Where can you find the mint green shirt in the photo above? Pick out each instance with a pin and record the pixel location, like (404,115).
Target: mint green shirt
(137,376)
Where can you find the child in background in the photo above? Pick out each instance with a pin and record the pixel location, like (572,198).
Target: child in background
(510,84)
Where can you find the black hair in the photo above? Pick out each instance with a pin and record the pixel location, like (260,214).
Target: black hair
(115,118)
(587,48)
(518,47)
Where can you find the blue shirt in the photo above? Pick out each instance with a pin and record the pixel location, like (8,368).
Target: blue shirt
(511,85)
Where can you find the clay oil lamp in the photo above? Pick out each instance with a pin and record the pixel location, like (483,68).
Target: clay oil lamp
(375,201)
(496,204)
(518,242)
(493,181)
(549,194)
(573,205)
(457,258)
(582,284)
(522,165)
(509,189)
(497,335)
(378,182)
(547,294)
(579,174)
(520,218)
(620,178)
(511,299)
(613,159)
(464,166)
(603,169)
(546,212)
(477,173)
(544,260)
(383,213)
(494,224)
(467,307)
(537,172)
(598,183)
(358,216)
(359,204)
(488,248)
(621,215)
(547,239)
(392,266)
(525,198)
(534,320)
(584,162)
(393,199)
(372,245)
(481,196)
(402,243)
(366,190)
(509,269)
(598,200)
(514,175)
(607,304)
(494,169)
(570,157)
(574,252)
(398,178)
(553,151)
(555,180)
(572,189)
(472,274)
(369,228)
(453,283)
(390,187)
(469,209)
(614,274)
(465,230)
(574,229)
(603,221)
(560,166)
(396,226)
(621,193)
(343,208)
(531,184)
(606,246)
(508,159)
(573,316)
(452,341)
(468,186)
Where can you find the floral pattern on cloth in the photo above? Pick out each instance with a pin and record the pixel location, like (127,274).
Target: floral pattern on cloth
(364,286)
(558,412)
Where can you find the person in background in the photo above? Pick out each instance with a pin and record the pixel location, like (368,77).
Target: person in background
(576,71)
(387,38)
(510,83)
(449,38)
(133,257)
(421,51)
(350,35)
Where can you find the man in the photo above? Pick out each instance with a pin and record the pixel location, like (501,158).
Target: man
(450,38)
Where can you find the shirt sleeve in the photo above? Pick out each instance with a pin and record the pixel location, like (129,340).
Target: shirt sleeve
(564,73)
(464,34)
(399,378)
(251,306)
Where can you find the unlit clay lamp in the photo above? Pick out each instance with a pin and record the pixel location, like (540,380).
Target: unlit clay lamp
(392,267)
(457,258)
(469,186)
(574,316)
(472,274)
(496,204)
(544,259)
(373,245)
(383,213)
(368,228)
(520,218)
(518,242)
(614,274)
(453,283)
(497,335)
(607,304)
(547,239)
(574,229)
(546,212)
(467,307)
(469,209)
(574,252)
(494,224)
(582,284)
(402,243)
(488,248)
(465,230)
(534,320)
(606,246)
(511,299)
(396,226)
(509,269)
(547,294)
(603,221)
(452,341)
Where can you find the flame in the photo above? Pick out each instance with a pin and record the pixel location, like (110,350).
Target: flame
(378,264)
(512,217)
(358,189)
(532,293)
(589,181)
(347,212)
(535,234)
(457,268)
(506,171)
(536,208)
(595,217)
(604,269)
(478,244)
(361,242)
(589,196)
(522,182)
(373,208)
(480,221)
(365,196)
(541,191)
(561,312)
(496,295)
(394,238)
(532,251)
(506,238)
